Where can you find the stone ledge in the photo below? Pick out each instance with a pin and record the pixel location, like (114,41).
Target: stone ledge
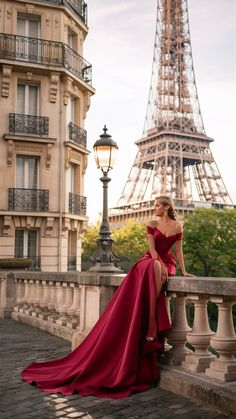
(198,387)
(52,328)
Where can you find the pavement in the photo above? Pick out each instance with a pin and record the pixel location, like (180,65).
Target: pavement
(21,344)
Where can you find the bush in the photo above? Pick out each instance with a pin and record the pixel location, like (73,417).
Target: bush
(15,263)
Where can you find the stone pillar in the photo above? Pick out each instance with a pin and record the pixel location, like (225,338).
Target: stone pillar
(62,303)
(74,309)
(177,334)
(26,296)
(224,342)
(90,300)
(38,298)
(53,294)
(7,295)
(20,292)
(31,298)
(199,337)
(54,301)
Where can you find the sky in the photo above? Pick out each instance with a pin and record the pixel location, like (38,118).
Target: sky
(119,46)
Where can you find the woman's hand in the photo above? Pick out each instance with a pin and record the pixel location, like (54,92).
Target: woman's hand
(164,273)
(187,274)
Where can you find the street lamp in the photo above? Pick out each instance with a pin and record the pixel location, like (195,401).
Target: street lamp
(105,154)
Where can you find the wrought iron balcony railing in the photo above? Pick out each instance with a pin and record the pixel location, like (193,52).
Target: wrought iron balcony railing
(28,124)
(45,52)
(77,204)
(79,7)
(21,199)
(71,263)
(77,135)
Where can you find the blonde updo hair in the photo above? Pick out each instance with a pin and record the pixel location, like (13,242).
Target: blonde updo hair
(166,200)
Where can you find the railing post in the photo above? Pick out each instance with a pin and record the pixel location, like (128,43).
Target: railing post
(199,337)
(224,342)
(177,334)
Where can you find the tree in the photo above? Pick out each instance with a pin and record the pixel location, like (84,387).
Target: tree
(210,242)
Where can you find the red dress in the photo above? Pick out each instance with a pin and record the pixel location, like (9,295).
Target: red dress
(115,360)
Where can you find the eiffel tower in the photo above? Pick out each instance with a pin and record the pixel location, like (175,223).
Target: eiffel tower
(174,156)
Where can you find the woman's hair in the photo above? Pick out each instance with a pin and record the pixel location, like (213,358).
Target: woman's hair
(166,200)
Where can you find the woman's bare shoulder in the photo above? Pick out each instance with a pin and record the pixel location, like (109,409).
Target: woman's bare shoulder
(152,223)
(179,226)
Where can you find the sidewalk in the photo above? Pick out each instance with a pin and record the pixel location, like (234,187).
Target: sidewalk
(21,344)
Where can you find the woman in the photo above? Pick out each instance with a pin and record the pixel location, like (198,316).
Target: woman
(118,356)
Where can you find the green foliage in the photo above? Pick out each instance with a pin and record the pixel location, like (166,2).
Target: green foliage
(129,243)
(130,240)
(210,242)
(89,242)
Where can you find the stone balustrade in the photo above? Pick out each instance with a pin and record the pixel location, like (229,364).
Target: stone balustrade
(69,304)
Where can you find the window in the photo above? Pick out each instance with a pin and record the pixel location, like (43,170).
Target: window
(70,110)
(72,39)
(28,27)
(71,178)
(27,172)
(72,244)
(26,245)
(27,99)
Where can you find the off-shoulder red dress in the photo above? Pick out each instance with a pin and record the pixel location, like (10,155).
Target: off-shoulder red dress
(115,360)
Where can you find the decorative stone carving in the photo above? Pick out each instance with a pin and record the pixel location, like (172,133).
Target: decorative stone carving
(10,149)
(29,76)
(67,157)
(56,22)
(49,226)
(54,86)
(7,225)
(86,102)
(68,89)
(48,155)
(6,78)
(48,20)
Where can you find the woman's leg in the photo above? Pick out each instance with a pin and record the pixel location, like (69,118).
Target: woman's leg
(152,325)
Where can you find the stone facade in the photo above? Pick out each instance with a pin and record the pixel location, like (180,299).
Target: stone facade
(45,89)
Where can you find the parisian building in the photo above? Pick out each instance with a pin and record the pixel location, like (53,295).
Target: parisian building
(45,90)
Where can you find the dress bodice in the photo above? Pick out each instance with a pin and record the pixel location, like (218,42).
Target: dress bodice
(163,243)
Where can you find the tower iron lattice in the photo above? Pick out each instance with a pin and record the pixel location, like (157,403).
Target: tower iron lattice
(174,156)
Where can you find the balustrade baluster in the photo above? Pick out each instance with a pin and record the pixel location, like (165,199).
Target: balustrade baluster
(177,334)
(224,342)
(73,310)
(199,337)
(62,306)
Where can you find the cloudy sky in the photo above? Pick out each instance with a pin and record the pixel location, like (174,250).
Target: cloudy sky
(120,47)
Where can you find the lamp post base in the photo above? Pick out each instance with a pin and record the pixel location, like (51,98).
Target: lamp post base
(105,267)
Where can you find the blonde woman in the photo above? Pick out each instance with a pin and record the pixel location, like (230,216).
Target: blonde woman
(118,356)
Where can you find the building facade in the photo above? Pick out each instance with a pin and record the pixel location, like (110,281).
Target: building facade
(45,90)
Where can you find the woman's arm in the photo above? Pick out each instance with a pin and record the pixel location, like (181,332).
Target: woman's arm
(180,257)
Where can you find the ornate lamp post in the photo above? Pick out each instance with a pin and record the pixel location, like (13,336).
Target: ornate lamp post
(105,154)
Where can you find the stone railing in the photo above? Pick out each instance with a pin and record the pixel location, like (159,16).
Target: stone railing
(69,304)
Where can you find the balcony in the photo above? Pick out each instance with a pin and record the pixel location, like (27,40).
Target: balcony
(21,199)
(46,53)
(77,6)
(77,135)
(77,204)
(28,124)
